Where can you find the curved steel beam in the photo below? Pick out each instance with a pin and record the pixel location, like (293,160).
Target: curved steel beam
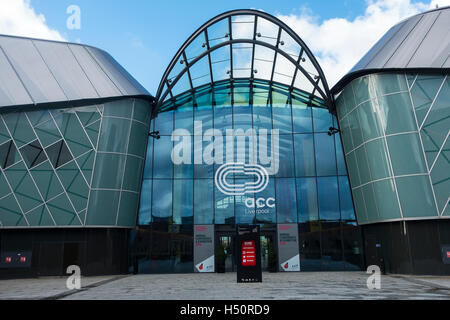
(256,42)
(264,15)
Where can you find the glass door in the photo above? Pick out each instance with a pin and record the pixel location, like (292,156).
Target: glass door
(226,243)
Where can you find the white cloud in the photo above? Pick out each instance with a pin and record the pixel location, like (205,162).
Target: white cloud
(18,18)
(339,43)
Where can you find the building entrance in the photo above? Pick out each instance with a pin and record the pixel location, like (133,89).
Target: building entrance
(226,250)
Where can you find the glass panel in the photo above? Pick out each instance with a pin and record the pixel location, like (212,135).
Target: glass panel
(114,135)
(183,156)
(120,108)
(224,208)
(304,155)
(284,70)
(73,132)
(322,120)
(369,118)
(289,45)
(133,173)
(266,31)
(203,201)
(386,198)
(242,26)
(370,201)
(328,196)
(360,205)
(137,139)
(20,128)
(281,112)
(325,155)
(301,116)
(182,201)
(263,62)
(242,60)
(406,154)
(353,169)
(307,200)
(196,47)
(268,213)
(416,197)
(378,158)
(345,198)
(58,154)
(363,164)
(286,200)
(355,128)
(218,32)
(162,200)
(109,169)
(164,123)
(221,63)
(181,86)
(145,207)
(262,111)
(285,157)
(33,154)
(342,170)
(362,88)
(423,93)
(184,117)
(8,154)
(244,214)
(163,165)
(396,114)
(389,83)
(200,72)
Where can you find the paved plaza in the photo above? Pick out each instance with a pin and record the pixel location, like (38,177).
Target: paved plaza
(305,285)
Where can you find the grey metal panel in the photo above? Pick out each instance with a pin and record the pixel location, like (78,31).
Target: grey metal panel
(104,86)
(431,51)
(421,42)
(66,70)
(12,92)
(377,48)
(121,78)
(411,43)
(32,70)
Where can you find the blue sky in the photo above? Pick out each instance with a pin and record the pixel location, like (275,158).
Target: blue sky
(143,35)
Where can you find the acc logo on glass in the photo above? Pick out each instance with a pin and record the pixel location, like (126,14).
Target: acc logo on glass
(260,183)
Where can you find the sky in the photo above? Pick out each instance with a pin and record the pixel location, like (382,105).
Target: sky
(144,35)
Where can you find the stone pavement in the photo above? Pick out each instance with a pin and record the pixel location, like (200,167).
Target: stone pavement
(305,285)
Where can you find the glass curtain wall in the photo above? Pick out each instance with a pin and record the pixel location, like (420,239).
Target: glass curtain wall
(309,187)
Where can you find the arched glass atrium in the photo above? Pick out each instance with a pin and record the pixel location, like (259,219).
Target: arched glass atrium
(244,88)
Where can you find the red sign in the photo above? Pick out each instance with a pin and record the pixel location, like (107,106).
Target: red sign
(448,254)
(23,259)
(8,260)
(248,253)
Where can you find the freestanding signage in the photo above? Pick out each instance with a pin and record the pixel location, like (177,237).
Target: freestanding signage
(249,254)
(204,248)
(288,250)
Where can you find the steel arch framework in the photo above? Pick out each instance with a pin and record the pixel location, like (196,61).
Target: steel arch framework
(314,76)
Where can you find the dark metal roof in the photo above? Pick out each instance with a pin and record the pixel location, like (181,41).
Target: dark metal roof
(243,44)
(35,72)
(419,43)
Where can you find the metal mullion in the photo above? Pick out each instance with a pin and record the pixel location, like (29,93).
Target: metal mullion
(209,56)
(276,54)
(188,70)
(432,104)
(252,73)
(296,69)
(230,29)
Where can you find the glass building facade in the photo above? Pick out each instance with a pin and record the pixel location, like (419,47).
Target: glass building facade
(310,188)
(394,136)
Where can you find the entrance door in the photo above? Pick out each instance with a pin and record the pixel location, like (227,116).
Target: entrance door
(226,242)
(267,250)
